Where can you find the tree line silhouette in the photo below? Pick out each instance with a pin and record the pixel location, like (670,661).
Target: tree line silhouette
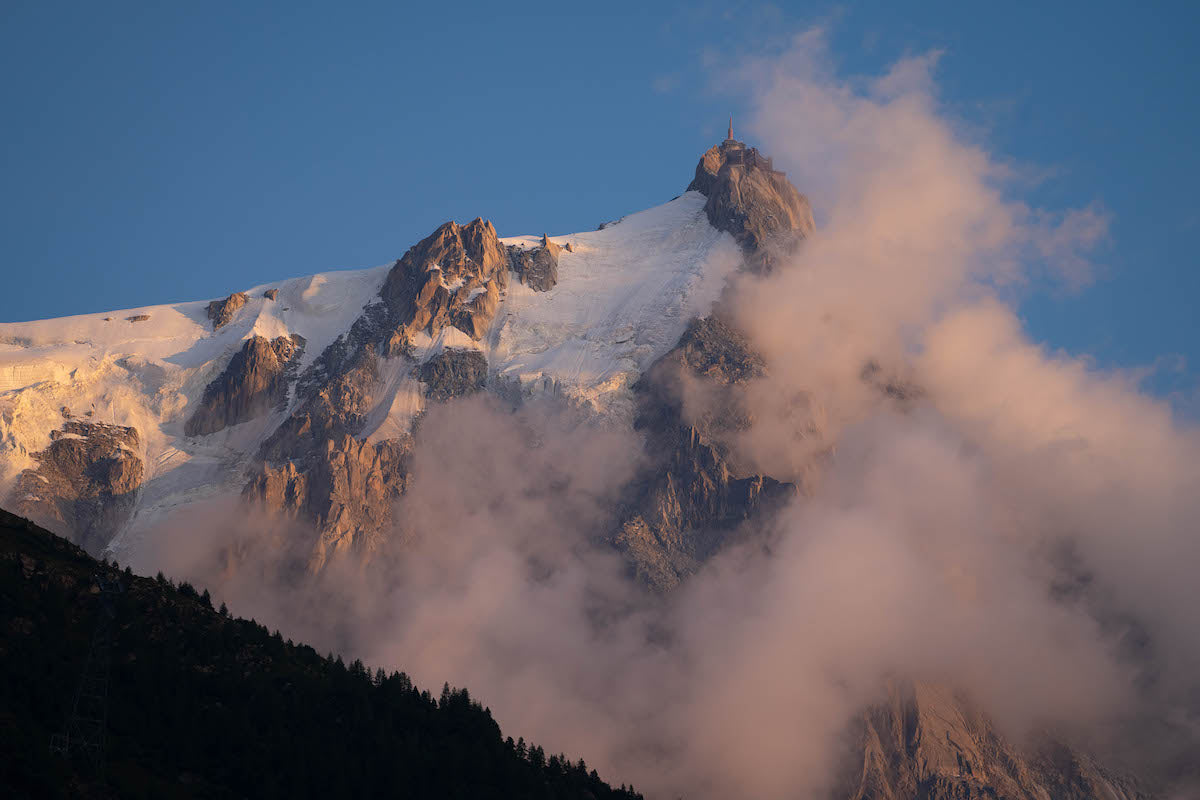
(202,704)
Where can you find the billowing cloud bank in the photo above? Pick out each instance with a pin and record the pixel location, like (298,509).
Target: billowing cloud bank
(1012,522)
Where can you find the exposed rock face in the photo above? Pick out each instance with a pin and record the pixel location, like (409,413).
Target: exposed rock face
(313,465)
(452,277)
(714,349)
(687,504)
(335,409)
(271,294)
(85,485)
(346,488)
(314,468)
(220,312)
(138,318)
(688,509)
(255,381)
(454,373)
(927,742)
(536,268)
(753,202)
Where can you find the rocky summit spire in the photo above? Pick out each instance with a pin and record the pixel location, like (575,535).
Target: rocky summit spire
(751,200)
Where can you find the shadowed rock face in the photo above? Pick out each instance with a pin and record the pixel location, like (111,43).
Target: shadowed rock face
(220,312)
(85,485)
(255,381)
(714,349)
(536,268)
(454,373)
(925,741)
(686,505)
(750,200)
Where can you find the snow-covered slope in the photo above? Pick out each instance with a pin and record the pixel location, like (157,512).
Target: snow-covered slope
(623,298)
(624,295)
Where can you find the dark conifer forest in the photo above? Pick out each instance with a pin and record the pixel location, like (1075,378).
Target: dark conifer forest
(201,704)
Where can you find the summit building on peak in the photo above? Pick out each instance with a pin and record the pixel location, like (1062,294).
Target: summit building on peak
(753,201)
(738,153)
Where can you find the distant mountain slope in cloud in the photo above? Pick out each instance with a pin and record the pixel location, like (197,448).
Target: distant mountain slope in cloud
(691,489)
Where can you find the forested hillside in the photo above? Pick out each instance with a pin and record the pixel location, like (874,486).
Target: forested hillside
(202,704)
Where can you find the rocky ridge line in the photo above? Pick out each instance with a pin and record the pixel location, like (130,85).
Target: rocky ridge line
(254,382)
(313,466)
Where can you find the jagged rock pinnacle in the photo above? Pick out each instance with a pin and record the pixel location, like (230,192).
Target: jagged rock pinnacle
(753,201)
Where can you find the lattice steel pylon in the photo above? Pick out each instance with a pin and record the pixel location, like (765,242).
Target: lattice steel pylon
(83,733)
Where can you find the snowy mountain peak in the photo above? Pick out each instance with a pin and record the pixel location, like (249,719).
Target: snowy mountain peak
(270,380)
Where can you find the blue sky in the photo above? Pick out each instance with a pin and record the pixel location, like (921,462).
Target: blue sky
(162,152)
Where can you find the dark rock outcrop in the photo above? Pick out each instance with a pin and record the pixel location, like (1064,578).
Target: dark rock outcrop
(752,201)
(138,318)
(686,504)
(454,373)
(927,741)
(255,380)
(689,507)
(452,277)
(271,294)
(85,485)
(712,361)
(901,391)
(537,268)
(220,312)
(714,349)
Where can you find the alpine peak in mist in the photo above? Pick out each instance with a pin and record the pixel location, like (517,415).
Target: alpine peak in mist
(731,503)
(305,397)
